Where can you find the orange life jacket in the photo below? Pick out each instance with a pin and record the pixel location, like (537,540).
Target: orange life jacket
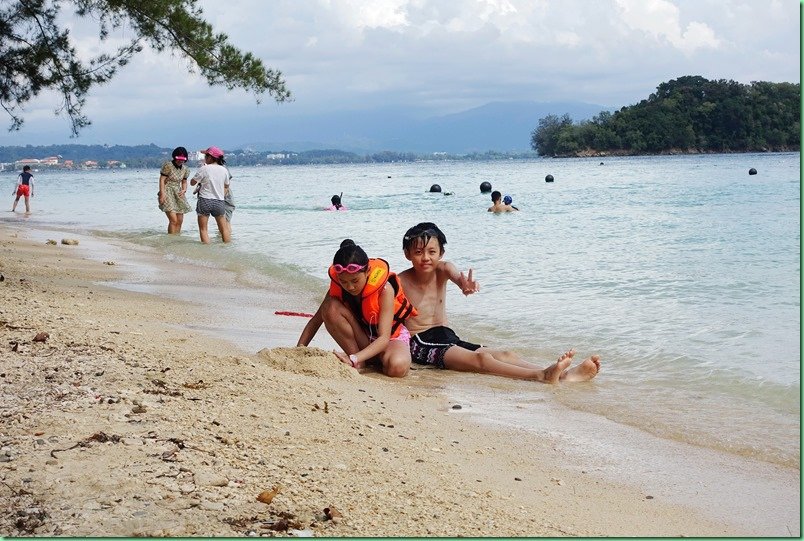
(379,273)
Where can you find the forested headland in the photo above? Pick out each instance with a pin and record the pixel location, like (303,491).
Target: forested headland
(690,114)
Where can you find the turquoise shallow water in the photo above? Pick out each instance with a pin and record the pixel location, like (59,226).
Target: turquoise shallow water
(682,272)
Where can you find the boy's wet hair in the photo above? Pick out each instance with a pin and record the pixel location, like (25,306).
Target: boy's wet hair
(336,199)
(420,234)
(26,167)
(495,196)
(349,252)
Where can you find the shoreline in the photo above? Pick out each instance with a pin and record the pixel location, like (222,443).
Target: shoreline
(202,426)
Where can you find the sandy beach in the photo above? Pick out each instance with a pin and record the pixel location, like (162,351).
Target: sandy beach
(135,416)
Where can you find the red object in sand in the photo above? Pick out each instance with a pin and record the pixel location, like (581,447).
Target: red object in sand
(285,313)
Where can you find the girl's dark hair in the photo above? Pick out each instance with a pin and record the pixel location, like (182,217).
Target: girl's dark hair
(336,200)
(349,252)
(179,151)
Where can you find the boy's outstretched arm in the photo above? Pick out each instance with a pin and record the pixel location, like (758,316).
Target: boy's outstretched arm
(464,281)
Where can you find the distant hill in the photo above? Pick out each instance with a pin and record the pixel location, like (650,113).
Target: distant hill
(497,126)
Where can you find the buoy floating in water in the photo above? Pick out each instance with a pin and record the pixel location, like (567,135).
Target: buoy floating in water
(485,187)
(435,188)
(548,178)
(752,171)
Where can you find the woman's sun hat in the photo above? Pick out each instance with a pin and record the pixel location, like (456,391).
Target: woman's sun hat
(215,152)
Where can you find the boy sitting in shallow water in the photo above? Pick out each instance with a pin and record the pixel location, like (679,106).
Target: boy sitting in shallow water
(432,342)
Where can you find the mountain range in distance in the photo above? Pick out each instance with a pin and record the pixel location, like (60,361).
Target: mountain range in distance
(496,126)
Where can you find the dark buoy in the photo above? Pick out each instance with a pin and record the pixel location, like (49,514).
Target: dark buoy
(485,187)
(752,171)
(548,178)
(435,188)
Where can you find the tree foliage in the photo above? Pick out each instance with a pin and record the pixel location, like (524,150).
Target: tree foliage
(36,54)
(688,114)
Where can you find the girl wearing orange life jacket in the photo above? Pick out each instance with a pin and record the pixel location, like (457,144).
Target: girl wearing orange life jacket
(364,311)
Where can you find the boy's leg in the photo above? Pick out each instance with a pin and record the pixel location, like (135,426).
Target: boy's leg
(584,371)
(396,359)
(14,207)
(483,362)
(27,203)
(342,325)
(203,221)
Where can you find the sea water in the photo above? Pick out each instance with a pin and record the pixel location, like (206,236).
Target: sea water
(681,272)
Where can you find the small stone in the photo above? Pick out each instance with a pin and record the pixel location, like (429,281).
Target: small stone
(211,506)
(70,242)
(457,407)
(210,480)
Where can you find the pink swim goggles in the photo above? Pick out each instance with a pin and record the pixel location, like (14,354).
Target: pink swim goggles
(351,268)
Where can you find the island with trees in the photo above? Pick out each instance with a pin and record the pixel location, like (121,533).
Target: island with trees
(690,114)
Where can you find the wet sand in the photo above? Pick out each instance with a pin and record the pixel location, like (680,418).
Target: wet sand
(137,416)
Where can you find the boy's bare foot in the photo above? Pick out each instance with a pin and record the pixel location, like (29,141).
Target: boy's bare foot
(584,371)
(554,372)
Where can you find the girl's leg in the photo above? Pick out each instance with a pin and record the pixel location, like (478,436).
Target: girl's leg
(223,228)
(396,359)
(179,222)
(342,325)
(483,362)
(203,221)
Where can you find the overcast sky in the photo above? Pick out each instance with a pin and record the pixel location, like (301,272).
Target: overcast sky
(441,55)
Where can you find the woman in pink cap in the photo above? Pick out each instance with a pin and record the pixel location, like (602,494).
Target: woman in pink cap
(172,187)
(213,179)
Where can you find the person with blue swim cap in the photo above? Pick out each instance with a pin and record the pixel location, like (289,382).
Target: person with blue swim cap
(507,200)
(500,206)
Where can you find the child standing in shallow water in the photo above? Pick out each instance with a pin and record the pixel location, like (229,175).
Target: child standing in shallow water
(364,311)
(432,342)
(24,188)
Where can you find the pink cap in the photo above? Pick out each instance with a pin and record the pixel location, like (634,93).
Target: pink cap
(215,152)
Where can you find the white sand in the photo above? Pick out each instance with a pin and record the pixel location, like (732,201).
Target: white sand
(136,418)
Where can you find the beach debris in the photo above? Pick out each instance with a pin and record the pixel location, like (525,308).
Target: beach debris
(70,242)
(325,408)
(109,263)
(649,497)
(41,337)
(15,346)
(200,384)
(2,278)
(457,407)
(267,496)
(139,408)
(557,481)
(330,513)
(287,313)
(51,242)
(100,437)
(307,532)
(517,478)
